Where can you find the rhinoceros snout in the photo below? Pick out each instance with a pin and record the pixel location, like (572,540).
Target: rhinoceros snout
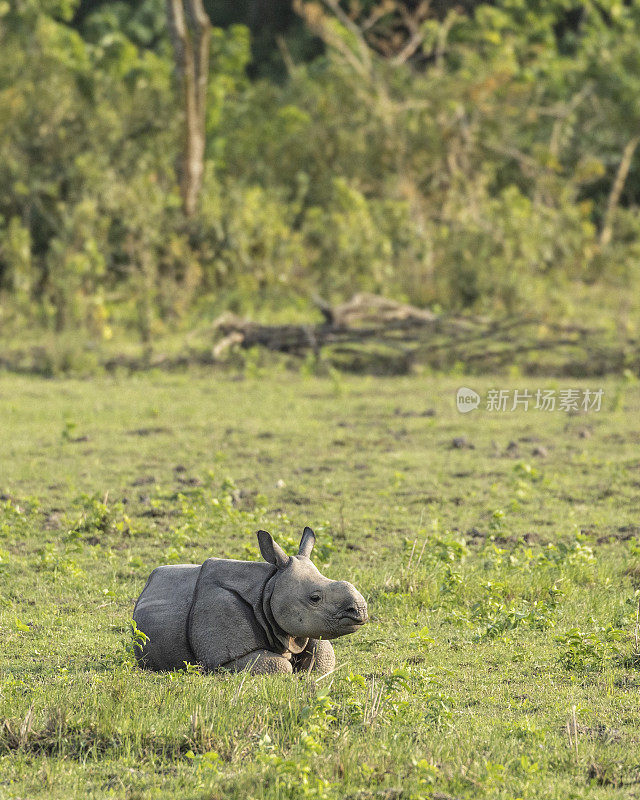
(357,614)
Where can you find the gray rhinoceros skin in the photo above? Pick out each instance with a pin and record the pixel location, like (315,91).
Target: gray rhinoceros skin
(271,616)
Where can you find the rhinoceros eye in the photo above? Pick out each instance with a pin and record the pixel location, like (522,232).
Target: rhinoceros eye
(315,598)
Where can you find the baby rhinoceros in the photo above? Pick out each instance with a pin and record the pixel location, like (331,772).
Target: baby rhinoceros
(271,616)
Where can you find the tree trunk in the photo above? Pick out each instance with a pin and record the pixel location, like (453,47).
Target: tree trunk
(190,30)
(616,190)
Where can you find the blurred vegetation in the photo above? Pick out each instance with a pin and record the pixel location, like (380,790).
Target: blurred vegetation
(486,162)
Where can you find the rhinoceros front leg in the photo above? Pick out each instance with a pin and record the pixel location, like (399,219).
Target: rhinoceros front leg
(260,662)
(318,656)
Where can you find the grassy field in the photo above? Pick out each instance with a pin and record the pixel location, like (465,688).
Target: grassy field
(500,572)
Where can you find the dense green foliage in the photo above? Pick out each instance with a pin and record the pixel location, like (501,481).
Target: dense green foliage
(477,176)
(501,659)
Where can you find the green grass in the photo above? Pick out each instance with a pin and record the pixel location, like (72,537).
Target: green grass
(501,586)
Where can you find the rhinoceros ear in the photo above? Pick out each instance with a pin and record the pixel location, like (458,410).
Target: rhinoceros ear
(307,542)
(271,551)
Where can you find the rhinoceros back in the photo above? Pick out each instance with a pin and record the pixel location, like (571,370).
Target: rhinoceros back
(162,613)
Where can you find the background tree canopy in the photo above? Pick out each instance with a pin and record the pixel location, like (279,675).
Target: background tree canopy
(466,155)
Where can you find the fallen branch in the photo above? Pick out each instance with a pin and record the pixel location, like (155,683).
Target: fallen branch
(370,329)
(364,317)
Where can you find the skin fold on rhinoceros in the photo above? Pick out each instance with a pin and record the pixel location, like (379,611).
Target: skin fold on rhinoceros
(271,616)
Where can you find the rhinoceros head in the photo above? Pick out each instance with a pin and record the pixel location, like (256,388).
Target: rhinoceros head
(305,603)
